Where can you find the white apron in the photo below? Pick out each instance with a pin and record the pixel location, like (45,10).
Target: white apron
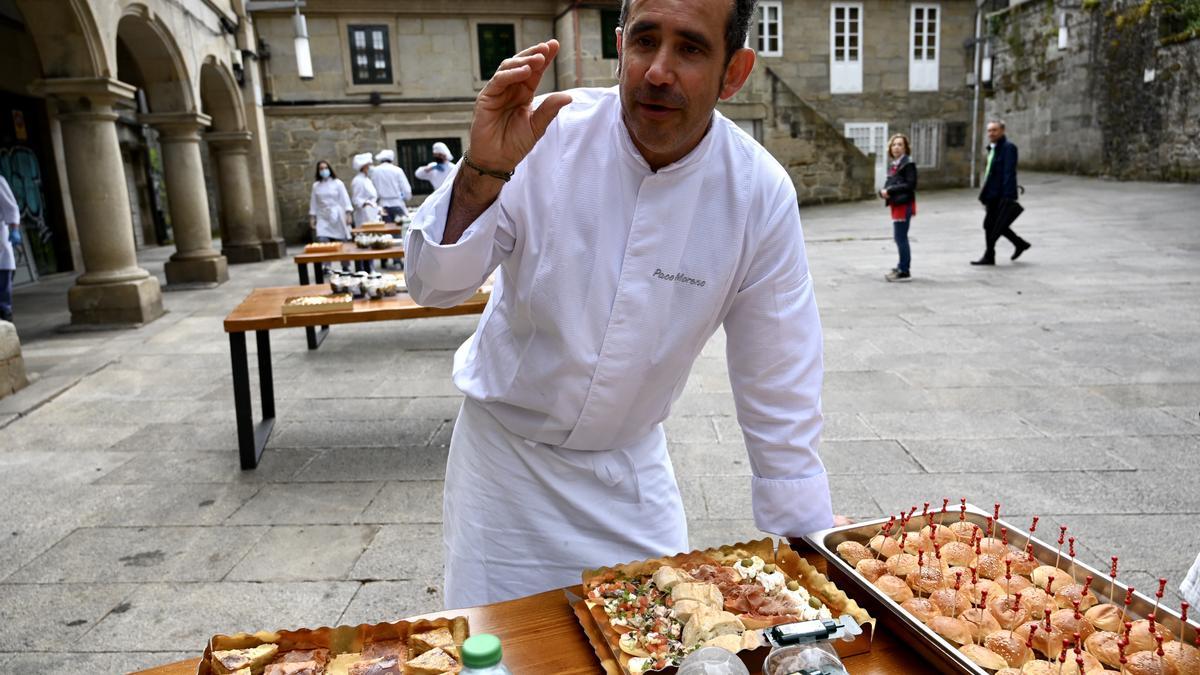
(521,517)
(365,199)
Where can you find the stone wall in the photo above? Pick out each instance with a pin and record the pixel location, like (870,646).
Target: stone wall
(823,164)
(581,61)
(12,366)
(1119,100)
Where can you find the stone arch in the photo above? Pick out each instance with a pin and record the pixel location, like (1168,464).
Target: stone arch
(149,58)
(220,97)
(69,43)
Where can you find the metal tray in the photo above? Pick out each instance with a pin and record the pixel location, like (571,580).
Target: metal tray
(940,653)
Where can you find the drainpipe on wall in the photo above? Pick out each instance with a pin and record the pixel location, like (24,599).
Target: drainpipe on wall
(975,104)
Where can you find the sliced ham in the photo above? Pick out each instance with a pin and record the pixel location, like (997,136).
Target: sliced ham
(752,599)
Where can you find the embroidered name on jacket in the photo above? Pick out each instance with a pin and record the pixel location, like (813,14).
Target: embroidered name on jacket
(679,277)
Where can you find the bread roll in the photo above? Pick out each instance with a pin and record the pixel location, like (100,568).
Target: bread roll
(1011,648)
(959,554)
(885,546)
(1105,617)
(706,594)
(954,630)
(1185,658)
(1036,602)
(921,608)
(950,602)
(990,566)
(927,579)
(902,564)
(1149,663)
(982,622)
(1041,576)
(1064,620)
(982,656)
(1140,638)
(1067,595)
(666,578)
(707,623)
(894,588)
(852,552)
(1103,646)
(871,569)
(1007,611)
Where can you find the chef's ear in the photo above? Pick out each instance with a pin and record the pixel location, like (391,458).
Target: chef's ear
(737,71)
(620,47)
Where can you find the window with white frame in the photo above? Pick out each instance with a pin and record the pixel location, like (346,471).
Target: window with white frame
(845,48)
(770,28)
(926,141)
(923,47)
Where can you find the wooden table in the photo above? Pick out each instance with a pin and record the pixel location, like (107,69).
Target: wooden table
(541,636)
(394,230)
(350,252)
(261,312)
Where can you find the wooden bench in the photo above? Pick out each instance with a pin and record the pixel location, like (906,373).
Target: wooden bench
(261,312)
(394,230)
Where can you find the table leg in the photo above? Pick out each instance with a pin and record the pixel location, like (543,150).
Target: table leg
(315,337)
(252,438)
(303,271)
(319,272)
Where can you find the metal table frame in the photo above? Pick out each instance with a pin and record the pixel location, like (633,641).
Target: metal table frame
(252,437)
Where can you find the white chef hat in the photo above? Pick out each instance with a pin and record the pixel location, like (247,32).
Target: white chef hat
(385,156)
(360,161)
(440,148)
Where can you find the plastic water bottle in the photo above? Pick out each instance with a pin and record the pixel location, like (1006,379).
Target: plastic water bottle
(713,661)
(481,654)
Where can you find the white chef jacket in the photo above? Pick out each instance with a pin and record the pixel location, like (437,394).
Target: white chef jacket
(365,199)
(10,214)
(611,279)
(435,173)
(391,183)
(1190,588)
(329,204)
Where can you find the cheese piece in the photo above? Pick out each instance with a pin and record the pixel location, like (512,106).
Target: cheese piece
(255,658)
(432,662)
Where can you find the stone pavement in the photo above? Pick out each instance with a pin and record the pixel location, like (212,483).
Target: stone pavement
(1066,385)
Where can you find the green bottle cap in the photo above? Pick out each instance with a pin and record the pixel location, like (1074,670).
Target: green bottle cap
(481,651)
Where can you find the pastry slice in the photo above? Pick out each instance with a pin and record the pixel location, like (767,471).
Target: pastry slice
(229,661)
(393,648)
(295,668)
(319,655)
(438,638)
(388,665)
(432,662)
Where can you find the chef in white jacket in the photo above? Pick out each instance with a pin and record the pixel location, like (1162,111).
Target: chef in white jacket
(329,208)
(392,185)
(363,194)
(436,171)
(10,220)
(637,222)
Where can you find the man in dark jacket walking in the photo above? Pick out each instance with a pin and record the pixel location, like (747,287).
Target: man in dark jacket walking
(999,195)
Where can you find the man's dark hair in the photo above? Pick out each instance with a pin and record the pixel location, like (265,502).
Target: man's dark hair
(737,26)
(317,171)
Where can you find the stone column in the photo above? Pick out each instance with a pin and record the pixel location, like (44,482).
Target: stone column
(195,260)
(112,289)
(232,152)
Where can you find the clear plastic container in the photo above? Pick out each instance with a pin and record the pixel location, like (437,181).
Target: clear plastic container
(818,657)
(481,654)
(713,661)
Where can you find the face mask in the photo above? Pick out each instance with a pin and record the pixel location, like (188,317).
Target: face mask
(324,173)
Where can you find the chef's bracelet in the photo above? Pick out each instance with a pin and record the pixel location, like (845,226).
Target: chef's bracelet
(502,175)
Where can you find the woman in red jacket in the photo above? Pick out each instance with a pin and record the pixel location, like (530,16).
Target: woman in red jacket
(899,193)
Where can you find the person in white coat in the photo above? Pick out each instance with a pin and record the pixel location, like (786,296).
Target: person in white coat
(329,208)
(623,232)
(10,222)
(363,194)
(393,187)
(436,171)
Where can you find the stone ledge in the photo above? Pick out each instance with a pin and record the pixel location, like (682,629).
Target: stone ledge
(12,365)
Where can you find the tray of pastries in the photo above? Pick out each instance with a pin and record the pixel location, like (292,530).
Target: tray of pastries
(317,304)
(976,594)
(427,647)
(647,616)
(324,247)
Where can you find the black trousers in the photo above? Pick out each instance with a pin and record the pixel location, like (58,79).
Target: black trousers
(992,231)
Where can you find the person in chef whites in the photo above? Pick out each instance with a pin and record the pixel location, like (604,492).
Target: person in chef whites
(436,171)
(624,227)
(363,194)
(329,208)
(393,187)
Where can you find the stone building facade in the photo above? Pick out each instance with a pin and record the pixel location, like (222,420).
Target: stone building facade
(1117,94)
(435,54)
(118,111)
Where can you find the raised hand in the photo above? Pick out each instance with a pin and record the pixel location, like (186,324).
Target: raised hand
(506,125)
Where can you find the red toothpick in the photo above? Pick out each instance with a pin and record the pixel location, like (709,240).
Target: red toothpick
(995,517)
(1050,586)
(945,503)
(1007,576)
(1004,536)
(1076,604)
(1183,610)
(1162,585)
(962,509)
(1033,525)
(990,523)
(1087,585)
(1128,599)
(1062,536)
(1112,586)
(1029,551)
(1071,550)
(925,510)
(1029,640)
(958,587)
(1159,638)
